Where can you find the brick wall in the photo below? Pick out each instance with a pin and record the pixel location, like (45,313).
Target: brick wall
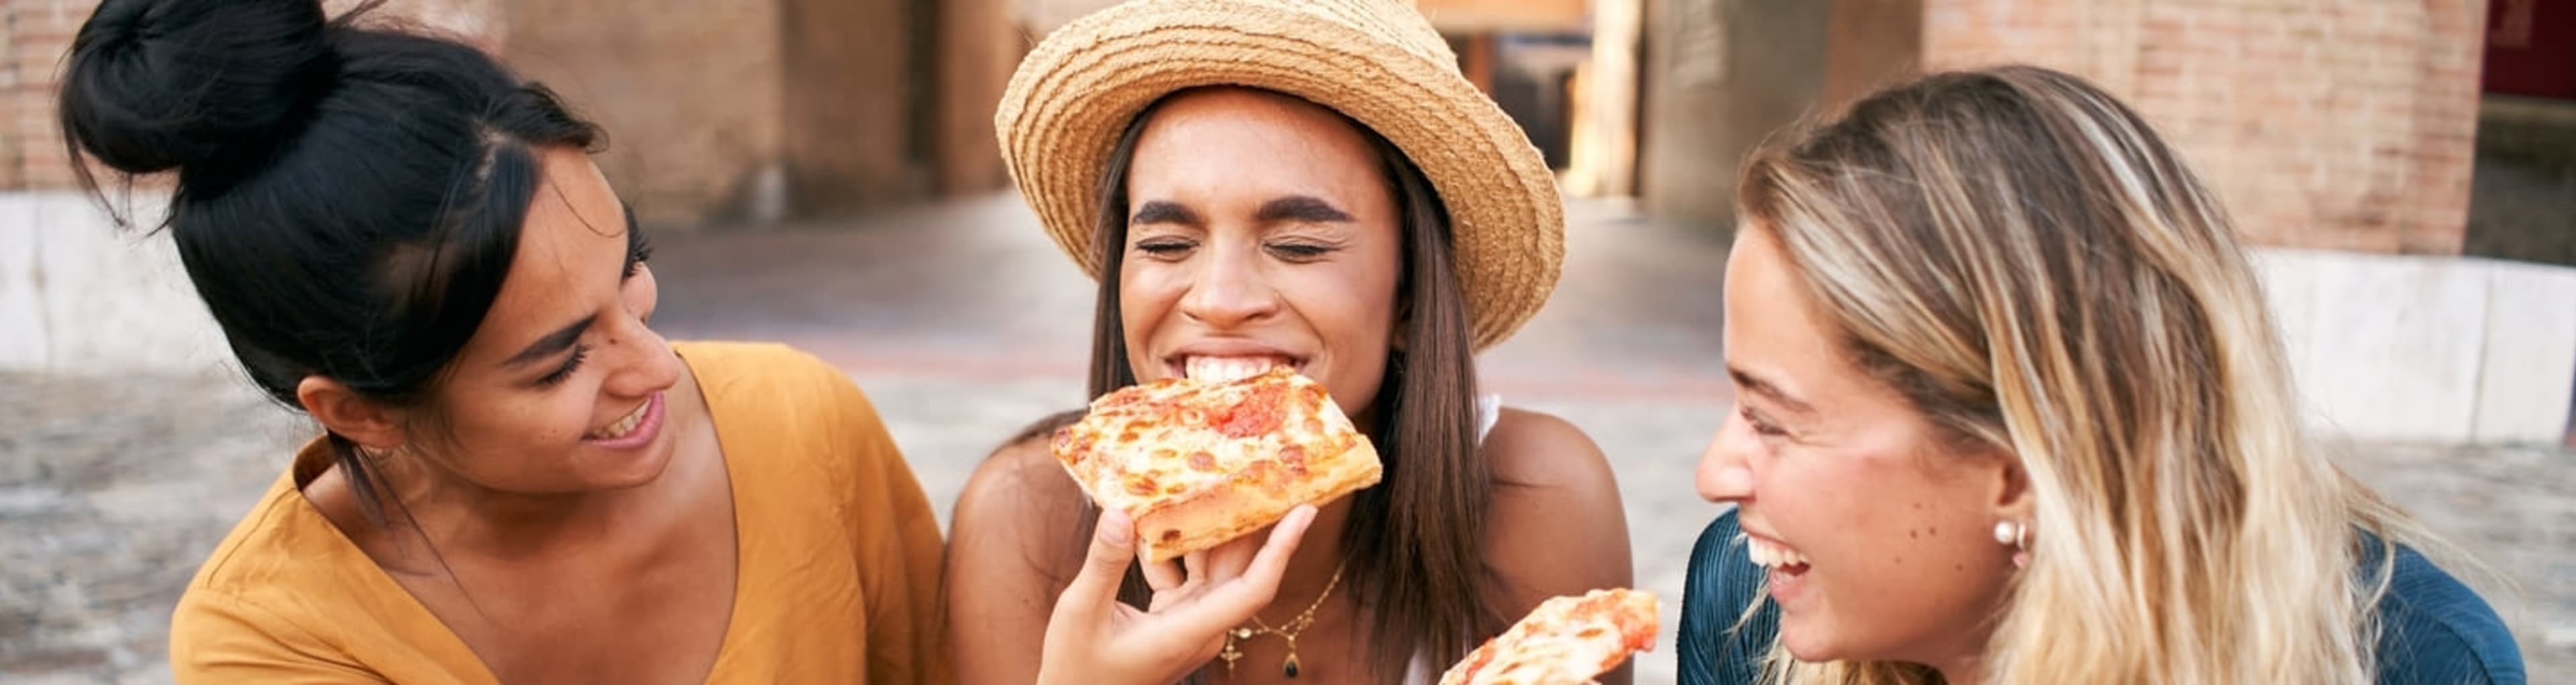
(31,146)
(36,33)
(2340,124)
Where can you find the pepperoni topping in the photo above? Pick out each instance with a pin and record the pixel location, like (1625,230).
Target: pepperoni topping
(1257,414)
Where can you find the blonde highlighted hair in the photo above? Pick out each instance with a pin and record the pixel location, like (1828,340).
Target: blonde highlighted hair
(2022,257)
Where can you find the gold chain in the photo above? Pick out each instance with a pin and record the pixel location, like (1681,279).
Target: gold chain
(1288,631)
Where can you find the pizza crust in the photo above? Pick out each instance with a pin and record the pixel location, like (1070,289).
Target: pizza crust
(1217,515)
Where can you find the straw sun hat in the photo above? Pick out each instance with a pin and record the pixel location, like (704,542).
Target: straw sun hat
(1376,61)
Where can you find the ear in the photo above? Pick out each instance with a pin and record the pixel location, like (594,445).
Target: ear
(2013,498)
(343,412)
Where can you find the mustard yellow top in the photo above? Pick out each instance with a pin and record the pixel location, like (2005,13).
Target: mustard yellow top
(838,558)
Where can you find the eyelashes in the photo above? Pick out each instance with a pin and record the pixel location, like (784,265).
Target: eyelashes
(571,364)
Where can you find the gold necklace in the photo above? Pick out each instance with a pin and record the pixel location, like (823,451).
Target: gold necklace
(1288,631)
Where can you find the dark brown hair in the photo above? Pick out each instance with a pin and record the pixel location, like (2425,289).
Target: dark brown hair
(1415,540)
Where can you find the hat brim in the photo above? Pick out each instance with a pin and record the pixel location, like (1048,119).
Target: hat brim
(1073,96)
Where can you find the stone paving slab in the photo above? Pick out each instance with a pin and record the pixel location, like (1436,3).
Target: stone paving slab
(112,491)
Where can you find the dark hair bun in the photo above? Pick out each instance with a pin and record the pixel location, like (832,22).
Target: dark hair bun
(154,85)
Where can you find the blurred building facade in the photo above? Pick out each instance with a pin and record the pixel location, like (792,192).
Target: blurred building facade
(2364,145)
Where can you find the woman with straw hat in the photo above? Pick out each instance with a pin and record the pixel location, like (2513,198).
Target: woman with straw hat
(1307,183)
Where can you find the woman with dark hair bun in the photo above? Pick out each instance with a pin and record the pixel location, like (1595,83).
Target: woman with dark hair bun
(516,480)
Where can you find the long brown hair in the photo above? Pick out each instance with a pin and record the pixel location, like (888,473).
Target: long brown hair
(1415,540)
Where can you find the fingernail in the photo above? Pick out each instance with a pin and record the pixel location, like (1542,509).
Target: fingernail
(1114,526)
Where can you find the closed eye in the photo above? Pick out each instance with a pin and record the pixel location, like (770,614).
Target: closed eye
(570,365)
(1761,426)
(1300,252)
(1166,248)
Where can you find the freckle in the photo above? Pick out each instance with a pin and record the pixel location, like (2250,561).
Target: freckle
(1911,533)
(1918,506)
(1936,532)
(1958,567)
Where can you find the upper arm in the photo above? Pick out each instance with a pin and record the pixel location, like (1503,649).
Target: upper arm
(1557,526)
(1016,540)
(215,639)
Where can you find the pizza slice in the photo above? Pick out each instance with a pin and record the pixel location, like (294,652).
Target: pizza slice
(1198,462)
(1565,641)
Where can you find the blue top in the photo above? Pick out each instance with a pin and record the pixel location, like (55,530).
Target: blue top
(2432,628)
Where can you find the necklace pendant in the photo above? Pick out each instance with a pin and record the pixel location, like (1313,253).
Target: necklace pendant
(1289,666)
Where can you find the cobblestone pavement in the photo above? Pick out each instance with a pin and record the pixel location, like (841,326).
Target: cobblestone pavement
(963,324)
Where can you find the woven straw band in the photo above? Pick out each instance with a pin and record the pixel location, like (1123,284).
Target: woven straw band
(1376,61)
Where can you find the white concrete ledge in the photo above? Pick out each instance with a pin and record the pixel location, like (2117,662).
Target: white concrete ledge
(79,296)
(2437,350)
(2427,349)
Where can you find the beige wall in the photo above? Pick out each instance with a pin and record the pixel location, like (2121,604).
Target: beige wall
(1870,45)
(690,91)
(847,94)
(979,48)
(1471,16)
(1720,76)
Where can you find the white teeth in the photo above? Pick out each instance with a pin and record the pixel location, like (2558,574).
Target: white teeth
(1768,555)
(623,426)
(1227,369)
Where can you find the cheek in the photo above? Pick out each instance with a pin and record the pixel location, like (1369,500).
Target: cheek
(1146,297)
(1354,316)
(517,421)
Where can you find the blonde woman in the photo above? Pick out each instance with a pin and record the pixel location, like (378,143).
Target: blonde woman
(2010,410)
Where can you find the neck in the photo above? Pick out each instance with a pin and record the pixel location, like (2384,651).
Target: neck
(1965,668)
(456,514)
(1318,553)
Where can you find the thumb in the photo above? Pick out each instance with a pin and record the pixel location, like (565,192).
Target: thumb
(1113,547)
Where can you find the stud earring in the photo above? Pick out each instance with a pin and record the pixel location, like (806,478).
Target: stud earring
(2013,534)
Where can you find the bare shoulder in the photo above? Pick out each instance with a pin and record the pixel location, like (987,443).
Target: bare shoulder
(1020,500)
(1537,450)
(1558,526)
(1016,537)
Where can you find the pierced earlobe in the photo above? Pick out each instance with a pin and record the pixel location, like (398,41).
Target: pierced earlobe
(2010,533)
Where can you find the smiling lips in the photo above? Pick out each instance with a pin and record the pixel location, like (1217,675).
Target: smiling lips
(623,426)
(1773,555)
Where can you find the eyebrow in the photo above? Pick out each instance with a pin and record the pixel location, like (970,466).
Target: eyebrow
(1760,386)
(1301,208)
(551,345)
(1163,212)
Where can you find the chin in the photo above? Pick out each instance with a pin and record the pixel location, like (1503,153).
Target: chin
(1807,643)
(626,472)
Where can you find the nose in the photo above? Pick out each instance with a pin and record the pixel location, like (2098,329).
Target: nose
(1230,289)
(1725,470)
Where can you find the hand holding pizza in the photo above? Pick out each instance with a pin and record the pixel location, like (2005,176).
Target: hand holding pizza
(1093,638)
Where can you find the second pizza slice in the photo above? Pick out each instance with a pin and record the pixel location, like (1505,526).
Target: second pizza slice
(1198,463)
